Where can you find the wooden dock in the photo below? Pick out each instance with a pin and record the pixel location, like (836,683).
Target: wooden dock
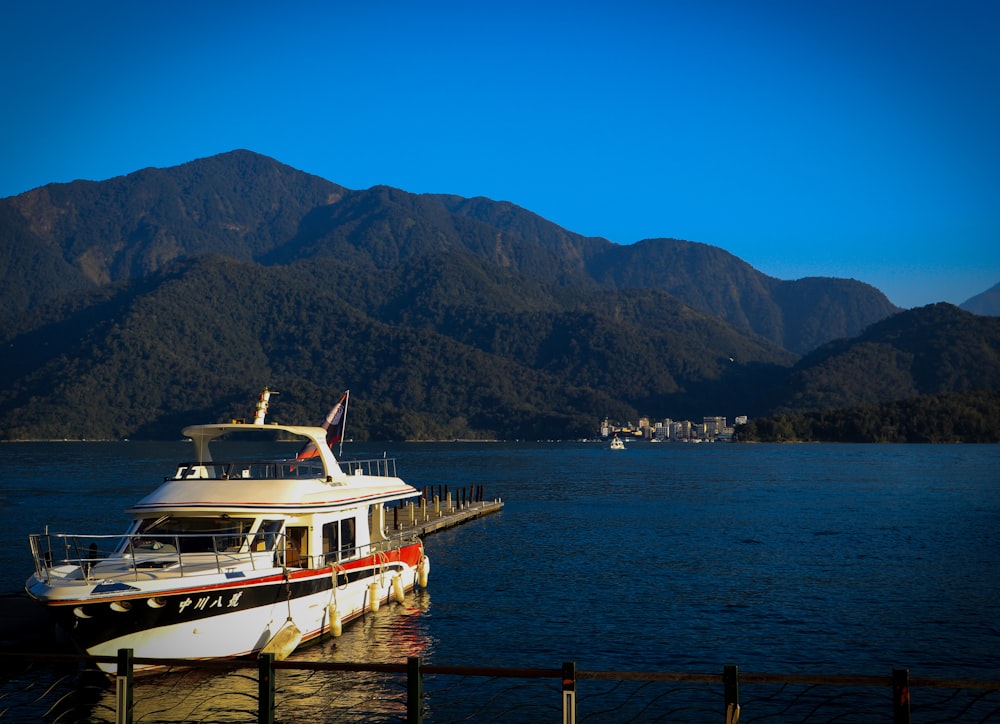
(425,517)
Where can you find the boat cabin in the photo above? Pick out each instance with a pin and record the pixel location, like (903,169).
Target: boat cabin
(304,513)
(294,541)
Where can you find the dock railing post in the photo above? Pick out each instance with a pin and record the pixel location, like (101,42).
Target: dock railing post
(901,696)
(414,691)
(265,689)
(731,692)
(569,692)
(123,687)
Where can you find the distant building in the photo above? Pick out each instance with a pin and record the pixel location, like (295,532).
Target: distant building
(661,429)
(681,430)
(713,426)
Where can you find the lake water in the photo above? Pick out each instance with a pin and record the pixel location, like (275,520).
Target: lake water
(822,559)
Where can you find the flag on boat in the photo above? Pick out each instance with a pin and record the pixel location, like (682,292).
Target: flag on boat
(334,425)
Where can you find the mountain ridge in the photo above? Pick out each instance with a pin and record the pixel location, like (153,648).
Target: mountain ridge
(249,206)
(930,350)
(985,303)
(176,292)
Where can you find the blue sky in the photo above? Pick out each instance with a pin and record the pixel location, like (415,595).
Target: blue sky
(844,138)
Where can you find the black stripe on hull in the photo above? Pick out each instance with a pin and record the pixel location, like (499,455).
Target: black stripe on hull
(109,618)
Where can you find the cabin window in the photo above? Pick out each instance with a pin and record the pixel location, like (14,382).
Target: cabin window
(192,535)
(267,534)
(348,539)
(339,539)
(297,546)
(331,541)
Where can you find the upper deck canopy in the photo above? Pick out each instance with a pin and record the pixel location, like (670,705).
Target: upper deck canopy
(210,484)
(203,435)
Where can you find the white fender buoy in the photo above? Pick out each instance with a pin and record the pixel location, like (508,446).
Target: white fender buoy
(373,599)
(283,643)
(423,570)
(397,588)
(336,625)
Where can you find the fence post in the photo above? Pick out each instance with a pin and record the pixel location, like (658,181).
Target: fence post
(123,687)
(731,692)
(265,689)
(414,691)
(901,696)
(569,692)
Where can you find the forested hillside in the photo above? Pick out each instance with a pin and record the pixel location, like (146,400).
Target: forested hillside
(250,207)
(800,315)
(925,375)
(424,359)
(972,417)
(927,351)
(169,296)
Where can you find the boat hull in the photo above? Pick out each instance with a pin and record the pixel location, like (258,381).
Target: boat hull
(229,618)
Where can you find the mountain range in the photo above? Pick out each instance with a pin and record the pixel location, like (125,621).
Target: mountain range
(138,304)
(987,303)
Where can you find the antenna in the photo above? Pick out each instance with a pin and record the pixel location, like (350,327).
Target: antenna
(262,403)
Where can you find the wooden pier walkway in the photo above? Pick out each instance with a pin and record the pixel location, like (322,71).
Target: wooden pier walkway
(425,517)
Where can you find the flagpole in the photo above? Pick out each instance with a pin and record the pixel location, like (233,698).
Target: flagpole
(347,398)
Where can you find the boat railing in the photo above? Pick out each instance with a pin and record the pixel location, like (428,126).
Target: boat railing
(93,558)
(96,557)
(280,469)
(378,467)
(251,470)
(380,550)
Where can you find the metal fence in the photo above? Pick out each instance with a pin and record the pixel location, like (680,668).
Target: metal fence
(65,689)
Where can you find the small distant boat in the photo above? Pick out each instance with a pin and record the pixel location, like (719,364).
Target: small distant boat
(617,443)
(239,556)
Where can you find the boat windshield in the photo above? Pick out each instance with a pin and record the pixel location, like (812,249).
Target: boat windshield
(252,469)
(192,535)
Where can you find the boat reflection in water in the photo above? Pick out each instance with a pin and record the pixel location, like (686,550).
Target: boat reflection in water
(393,634)
(345,696)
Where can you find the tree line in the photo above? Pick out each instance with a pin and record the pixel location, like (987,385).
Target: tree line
(967,417)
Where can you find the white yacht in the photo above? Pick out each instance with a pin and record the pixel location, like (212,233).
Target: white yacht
(231,557)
